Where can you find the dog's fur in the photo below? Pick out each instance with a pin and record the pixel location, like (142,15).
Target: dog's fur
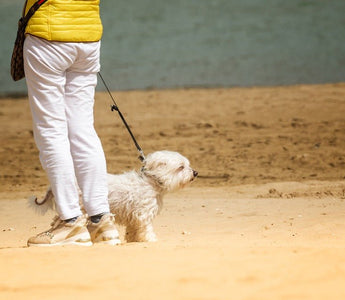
(136,197)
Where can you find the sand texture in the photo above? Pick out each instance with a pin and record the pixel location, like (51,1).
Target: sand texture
(264,220)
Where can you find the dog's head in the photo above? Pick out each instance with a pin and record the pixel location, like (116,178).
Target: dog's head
(169,169)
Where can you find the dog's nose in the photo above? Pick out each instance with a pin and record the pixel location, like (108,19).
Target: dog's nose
(195,173)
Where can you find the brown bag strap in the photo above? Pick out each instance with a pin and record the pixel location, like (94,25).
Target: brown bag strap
(25,19)
(24,8)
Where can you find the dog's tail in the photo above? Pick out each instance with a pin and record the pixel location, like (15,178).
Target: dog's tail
(42,206)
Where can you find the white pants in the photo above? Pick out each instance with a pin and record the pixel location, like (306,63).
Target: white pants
(61,80)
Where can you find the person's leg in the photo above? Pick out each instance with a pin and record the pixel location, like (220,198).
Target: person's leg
(45,64)
(86,148)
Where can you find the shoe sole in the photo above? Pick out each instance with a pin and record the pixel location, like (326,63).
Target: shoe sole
(113,242)
(83,244)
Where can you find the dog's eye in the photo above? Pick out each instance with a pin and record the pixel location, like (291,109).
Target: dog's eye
(180,168)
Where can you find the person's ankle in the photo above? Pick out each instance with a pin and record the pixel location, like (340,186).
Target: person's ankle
(97,218)
(71,220)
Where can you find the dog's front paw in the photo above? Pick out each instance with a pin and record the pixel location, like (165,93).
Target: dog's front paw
(145,234)
(151,237)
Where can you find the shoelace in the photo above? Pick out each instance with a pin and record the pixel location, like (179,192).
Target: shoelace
(55,222)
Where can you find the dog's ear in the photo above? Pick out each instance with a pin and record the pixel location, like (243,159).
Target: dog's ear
(154,165)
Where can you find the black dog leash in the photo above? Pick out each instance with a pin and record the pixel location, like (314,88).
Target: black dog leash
(115,107)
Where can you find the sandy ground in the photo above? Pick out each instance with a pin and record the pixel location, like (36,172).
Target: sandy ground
(264,220)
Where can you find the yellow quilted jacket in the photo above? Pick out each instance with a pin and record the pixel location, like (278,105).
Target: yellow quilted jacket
(66,21)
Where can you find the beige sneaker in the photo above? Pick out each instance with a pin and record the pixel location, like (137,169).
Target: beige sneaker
(63,233)
(104,231)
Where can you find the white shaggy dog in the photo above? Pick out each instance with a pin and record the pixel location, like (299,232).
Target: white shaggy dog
(136,197)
